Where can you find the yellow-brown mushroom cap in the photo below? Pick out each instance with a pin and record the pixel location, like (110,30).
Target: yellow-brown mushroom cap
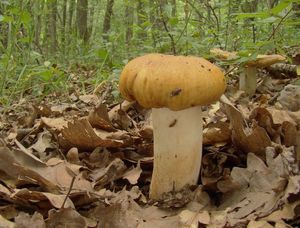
(174,82)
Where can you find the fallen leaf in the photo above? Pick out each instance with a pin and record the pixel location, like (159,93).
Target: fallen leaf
(6,223)
(289,97)
(253,140)
(134,174)
(105,175)
(38,197)
(63,107)
(53,178)
(89,99)
(216,133)
(26,220)
(55,123)
(99,118)
(259,224)
(68,217)
(190,219)
(80,134)
(262,188)
(43,142)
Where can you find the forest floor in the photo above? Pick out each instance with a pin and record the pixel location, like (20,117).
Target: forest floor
(85,160)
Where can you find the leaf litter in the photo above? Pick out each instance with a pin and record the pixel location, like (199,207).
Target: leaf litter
(88,163)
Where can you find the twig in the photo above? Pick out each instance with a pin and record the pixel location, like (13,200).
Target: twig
(167,30)
(70,189)
(184,29)
(280,22)
(214,14)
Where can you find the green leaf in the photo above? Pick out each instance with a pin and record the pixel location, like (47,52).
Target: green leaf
(281,6)
(102,53)
(145,24)
(252,15)
(269,20)
(25,17)
(173,20)
(46,75)
(7,19)
(1,18)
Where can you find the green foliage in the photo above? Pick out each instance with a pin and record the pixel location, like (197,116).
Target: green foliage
(34,42)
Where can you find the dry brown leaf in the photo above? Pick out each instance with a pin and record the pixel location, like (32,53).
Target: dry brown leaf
(68,217)
(253,140)
(134,174)
(125,212)
(99,118)
(216,133)
(55,123)
(105,175)
(25,220)
(118,115)
(259,224)
(9,211)
(212,168)
(287,212)
(146,132)
(40,197)
(6,223)
(280,116)
(262,188)
(4,191)
(80,134)
(89,99)
(283,133)
(43,142)
(28,119)
(63,107)
(53,177)
(191,219)
(290,97)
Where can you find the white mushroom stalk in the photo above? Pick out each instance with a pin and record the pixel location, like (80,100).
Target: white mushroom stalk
(248,80)
(177,149)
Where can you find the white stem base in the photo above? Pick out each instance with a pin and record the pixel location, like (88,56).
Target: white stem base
(248,80)
(177,149)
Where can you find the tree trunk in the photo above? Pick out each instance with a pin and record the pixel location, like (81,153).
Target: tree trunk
(107,19)
(250,6)
(52,26)
(70,20)
(91,18)
(153,15)
(272,3)
(82,19)
(63,27)
(3,29)
(129,17)
(296,8)
(174,8)
(141,19)
(164,22)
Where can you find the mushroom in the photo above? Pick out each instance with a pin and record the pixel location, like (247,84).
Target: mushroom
(174,87)
(248,78)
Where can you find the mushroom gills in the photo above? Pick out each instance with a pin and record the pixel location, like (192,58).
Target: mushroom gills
(177,149)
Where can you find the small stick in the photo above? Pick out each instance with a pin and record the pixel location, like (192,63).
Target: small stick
(70,189)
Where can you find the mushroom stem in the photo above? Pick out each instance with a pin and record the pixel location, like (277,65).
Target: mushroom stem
(177,149)
(248,80)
